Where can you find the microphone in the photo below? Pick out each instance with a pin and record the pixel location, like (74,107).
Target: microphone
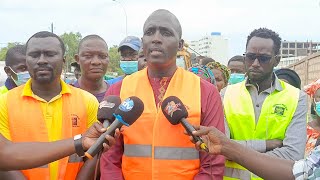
(176,113)
(126,114)
(106,109)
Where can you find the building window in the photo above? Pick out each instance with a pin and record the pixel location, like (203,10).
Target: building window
(285,45)
(306,45)
(292,45)
(284,51)
(292,52)
(299,45)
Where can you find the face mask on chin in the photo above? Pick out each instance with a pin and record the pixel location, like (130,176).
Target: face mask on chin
(129,67)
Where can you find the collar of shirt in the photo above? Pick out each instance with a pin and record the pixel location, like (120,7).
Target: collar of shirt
(276,85)
(27,91)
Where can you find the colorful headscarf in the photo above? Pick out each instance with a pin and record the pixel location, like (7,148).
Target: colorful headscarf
(311,88)
(203,72)
(225,71)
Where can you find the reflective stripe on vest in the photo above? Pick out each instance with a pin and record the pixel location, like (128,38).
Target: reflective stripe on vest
(175,153)
(276,114)
(160,150)
(29,125)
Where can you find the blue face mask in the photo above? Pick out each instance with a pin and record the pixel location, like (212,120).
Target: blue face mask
(236,78)
(317,108)
(129,67)
(22,77)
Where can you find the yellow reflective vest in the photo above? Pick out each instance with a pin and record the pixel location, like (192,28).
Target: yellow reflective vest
(276,114)
(3,89)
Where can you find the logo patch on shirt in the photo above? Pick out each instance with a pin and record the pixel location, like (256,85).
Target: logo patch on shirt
(75,120)
(279,109)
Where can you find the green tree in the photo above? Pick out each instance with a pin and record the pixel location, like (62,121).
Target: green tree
(114,57)
(3,51)
(71,41)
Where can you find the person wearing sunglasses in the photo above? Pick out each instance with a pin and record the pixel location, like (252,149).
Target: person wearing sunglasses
(16,68)
(263,112)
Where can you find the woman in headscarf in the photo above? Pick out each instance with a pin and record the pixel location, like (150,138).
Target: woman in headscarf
(313,127)
(221,74)
(204,72)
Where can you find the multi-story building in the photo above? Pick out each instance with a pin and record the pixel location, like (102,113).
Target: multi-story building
(293,51)
(295,48)
(284,62)
(213,45)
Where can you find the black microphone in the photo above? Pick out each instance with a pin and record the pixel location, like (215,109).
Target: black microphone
(176,113)
(106,109)
(126,114)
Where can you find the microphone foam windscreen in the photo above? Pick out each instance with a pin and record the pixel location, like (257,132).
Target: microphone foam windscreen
(174,109)
(107,107)
(130,109)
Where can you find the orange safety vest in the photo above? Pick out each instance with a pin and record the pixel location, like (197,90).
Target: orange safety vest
(154,148)
(26,124)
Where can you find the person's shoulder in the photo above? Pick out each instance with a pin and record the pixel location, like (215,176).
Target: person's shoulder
(116,85)
(208,89)
(114,80)
(206,85)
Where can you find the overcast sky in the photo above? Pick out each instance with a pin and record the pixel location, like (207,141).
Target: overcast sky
(235,19)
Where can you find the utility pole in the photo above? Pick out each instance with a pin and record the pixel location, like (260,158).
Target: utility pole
(52,27)
(125,13)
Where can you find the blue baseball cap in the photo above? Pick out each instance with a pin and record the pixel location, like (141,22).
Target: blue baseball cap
(132,42)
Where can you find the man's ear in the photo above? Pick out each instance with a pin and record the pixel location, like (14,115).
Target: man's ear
(8,70)
(76,57)
(181,44)
(277,60)
(64,59)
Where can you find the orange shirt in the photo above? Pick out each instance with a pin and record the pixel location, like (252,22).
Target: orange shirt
(52,113)
(312,136)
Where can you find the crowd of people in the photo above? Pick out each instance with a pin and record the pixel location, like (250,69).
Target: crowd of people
(253,117)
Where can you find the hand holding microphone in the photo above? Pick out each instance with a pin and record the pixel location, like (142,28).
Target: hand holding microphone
(126,114)
(179,116)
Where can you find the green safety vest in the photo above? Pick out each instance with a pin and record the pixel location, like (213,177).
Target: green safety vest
(3,89)
(276,114)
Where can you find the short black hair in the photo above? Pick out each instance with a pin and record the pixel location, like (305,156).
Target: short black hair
(17,49)
(91,36)
(236,58)
(267,34)
(75,65)
(45,34)
(290,75)
(207,60)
